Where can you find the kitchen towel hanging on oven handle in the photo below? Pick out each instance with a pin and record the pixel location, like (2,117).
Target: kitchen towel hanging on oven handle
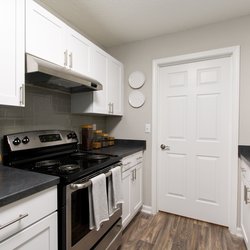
(98,204)
(115,194)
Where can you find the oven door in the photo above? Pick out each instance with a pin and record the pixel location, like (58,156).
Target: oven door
(78,234)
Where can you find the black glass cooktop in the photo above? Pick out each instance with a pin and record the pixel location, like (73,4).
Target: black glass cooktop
(72,167)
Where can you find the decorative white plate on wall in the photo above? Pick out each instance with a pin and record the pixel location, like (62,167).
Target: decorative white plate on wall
(136,99)
(136,79)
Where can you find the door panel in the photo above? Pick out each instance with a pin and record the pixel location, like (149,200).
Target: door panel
(207,117)
(206,168)
(177,170)
(176,125)
(193,122)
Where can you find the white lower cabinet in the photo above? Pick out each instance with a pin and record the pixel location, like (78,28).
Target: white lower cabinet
(136,188)
(30,223)
(40,236)
(132,186)
(245,202)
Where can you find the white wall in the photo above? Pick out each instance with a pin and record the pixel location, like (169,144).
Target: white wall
(139,56)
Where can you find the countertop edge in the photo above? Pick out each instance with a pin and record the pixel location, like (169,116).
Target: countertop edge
(244,153)
(28,192)
(122,148)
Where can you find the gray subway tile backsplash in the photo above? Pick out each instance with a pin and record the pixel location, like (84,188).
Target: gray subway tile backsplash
(44,109)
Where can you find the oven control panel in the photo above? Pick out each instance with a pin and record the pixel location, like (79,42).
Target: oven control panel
(37,139)
(50,137)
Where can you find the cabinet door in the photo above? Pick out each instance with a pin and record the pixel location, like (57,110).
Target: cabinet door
(99,62)
(245,208)
(45,34)
(78,52)
(12,22)
(40,236)
(126,207)
(136,188)
(115,87)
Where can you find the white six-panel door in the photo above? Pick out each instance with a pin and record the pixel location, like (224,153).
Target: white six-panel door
(193,126)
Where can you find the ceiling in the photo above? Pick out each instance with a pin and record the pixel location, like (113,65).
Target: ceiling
(114,22)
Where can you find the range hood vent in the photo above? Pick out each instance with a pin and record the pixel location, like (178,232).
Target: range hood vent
(48,75)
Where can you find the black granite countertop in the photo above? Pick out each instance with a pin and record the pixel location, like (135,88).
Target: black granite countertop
(123,147)
(16,184)
(244,150)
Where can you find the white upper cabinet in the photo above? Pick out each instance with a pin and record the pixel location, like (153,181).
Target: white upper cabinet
(99,64)
(49,38)
(108,101)
(12,63)
(45,34)
(115,86)
(93,102)
(78,51)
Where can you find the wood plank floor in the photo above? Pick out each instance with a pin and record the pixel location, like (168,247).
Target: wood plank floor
(172,232)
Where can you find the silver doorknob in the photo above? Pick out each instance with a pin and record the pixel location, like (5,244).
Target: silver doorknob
(165,147)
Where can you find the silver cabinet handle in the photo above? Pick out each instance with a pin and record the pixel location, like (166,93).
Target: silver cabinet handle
(112,108)
(138,158)
(66,57)
(135,173)
(20,217)
(22,95)
(70,60)
(126,164)
(243,170)
(165,147)
(246,191)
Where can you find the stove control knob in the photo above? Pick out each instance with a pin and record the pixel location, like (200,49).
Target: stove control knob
(25,140)
(69,136)
(16,141)
(74,136)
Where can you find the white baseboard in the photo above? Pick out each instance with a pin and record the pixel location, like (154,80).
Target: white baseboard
(146,209)
(239,232)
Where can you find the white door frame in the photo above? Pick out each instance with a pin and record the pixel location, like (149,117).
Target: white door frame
(234,54)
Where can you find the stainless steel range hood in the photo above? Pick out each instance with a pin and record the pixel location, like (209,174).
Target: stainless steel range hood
(48,75)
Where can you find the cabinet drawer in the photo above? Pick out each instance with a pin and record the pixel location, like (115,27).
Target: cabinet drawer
(27,211)
(39,236)
(245,170)
(132,160)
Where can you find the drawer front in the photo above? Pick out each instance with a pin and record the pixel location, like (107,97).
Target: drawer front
(245,170)
(138,157)
(39,236)
(132,160)
(20,214)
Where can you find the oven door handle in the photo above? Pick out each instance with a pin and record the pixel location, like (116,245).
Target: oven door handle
(77,186)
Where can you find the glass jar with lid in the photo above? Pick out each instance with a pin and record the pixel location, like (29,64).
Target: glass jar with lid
(87,137)
(105,140)
(97,140)
(111,141)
